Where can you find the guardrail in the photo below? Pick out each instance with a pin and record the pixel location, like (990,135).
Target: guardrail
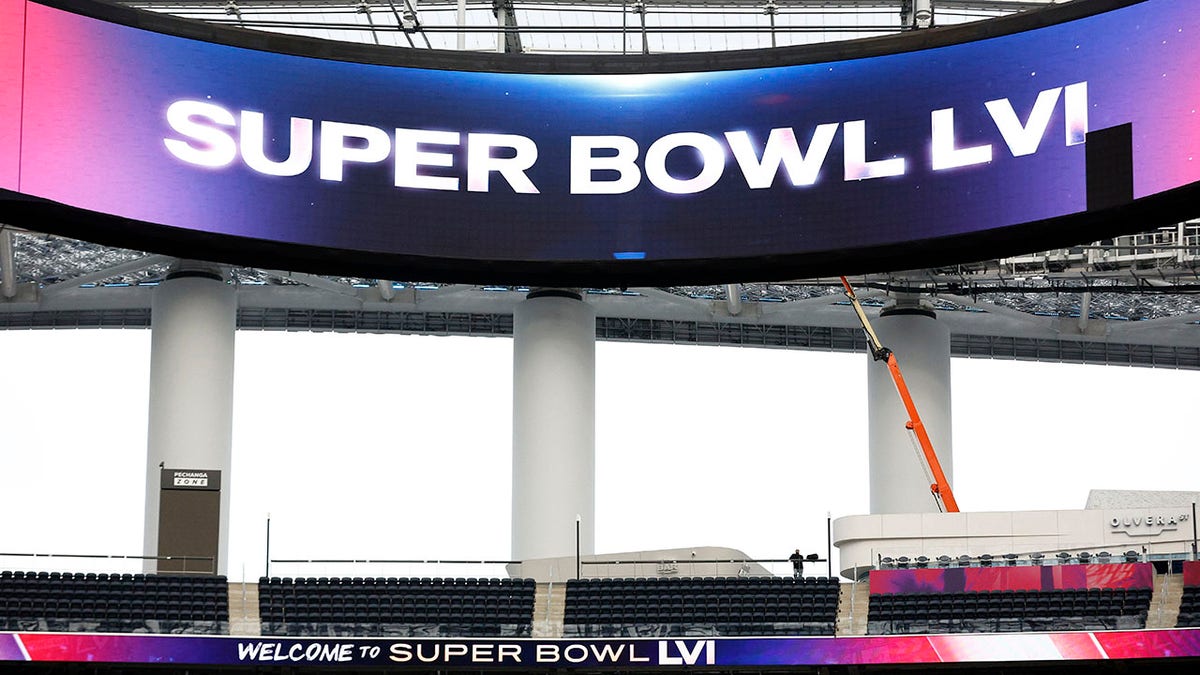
(205,564)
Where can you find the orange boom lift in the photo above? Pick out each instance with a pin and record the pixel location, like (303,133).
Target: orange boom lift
(940,487)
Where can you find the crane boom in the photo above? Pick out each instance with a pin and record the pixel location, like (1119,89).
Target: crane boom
(940,488)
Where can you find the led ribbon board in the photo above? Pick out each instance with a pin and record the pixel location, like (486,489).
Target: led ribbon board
(596,655)
(971,149)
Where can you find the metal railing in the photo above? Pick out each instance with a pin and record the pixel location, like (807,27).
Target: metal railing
(112,563)
(365,567)
(697,567)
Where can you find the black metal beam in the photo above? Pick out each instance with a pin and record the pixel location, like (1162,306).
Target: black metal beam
(712,333)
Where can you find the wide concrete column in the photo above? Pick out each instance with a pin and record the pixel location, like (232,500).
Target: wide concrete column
(554,425)
(899,480)
(193,317)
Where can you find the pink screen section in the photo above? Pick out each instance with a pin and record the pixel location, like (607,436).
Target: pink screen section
(1032,578)
(1191,573)
(12,53)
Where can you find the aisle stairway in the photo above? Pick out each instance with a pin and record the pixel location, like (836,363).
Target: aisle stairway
(548,607)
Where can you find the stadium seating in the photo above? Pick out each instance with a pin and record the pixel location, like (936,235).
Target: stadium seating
(322,606)
(113,603)
(1189,608)
(701,606)
(1008,611)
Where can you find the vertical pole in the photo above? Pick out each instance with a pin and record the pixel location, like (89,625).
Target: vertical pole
(578,556)
(267,574)
(501,22)
(829,544)
(624,29)
(645,37)
(1193,530)
(461,18)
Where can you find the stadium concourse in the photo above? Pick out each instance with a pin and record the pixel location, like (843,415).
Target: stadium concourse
(608,151)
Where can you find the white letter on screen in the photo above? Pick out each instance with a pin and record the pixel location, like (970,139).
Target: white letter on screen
(583,164)
(481,164)
(802,167)
(854,142)
(712,162)
(335,154)
(945,154)
(300,146)
(409,157)
(1024,139)
(1076,103)
(212,147)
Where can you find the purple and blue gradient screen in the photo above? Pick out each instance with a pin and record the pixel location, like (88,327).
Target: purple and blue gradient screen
(531,167)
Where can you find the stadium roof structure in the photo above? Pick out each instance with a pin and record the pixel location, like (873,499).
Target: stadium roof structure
(1130,300)
(586,26)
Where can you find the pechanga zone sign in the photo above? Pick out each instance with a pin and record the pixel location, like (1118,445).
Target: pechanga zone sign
(1044,129)
(190,479)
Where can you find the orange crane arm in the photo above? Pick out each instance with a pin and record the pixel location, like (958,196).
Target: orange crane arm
(941,487)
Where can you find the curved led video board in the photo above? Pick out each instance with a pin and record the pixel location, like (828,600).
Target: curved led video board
(863,162)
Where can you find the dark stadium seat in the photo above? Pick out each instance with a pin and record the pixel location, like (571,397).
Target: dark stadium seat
(118,603)
(397,606)
(1189,608)
(1005,611)
(700,606)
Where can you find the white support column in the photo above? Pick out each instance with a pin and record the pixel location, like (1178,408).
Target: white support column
(8,267)
(461,21)
(193,317)
(554,425)
(899,481)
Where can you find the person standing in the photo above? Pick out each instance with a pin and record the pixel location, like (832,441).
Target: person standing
(797,561)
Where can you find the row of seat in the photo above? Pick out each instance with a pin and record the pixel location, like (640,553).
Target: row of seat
(1046,610)
(141,577)
(396,606)
(700,615)
(923,625)
(396,613)
(1132,594)
(407,582)
(584,594)
(115,594)
(741,586)
(699,583)
(704,606)
(1189,608)
(1008,610)
(721,628)
(131,611)
(723,601)
(458,592)
(113,602)
(136,583)
(1008,559)
(450,627)
(379,600)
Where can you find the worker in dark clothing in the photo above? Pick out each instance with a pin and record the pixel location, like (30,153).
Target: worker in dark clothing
(797,564)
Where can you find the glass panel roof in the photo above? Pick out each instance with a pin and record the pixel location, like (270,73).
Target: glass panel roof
(582,27)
